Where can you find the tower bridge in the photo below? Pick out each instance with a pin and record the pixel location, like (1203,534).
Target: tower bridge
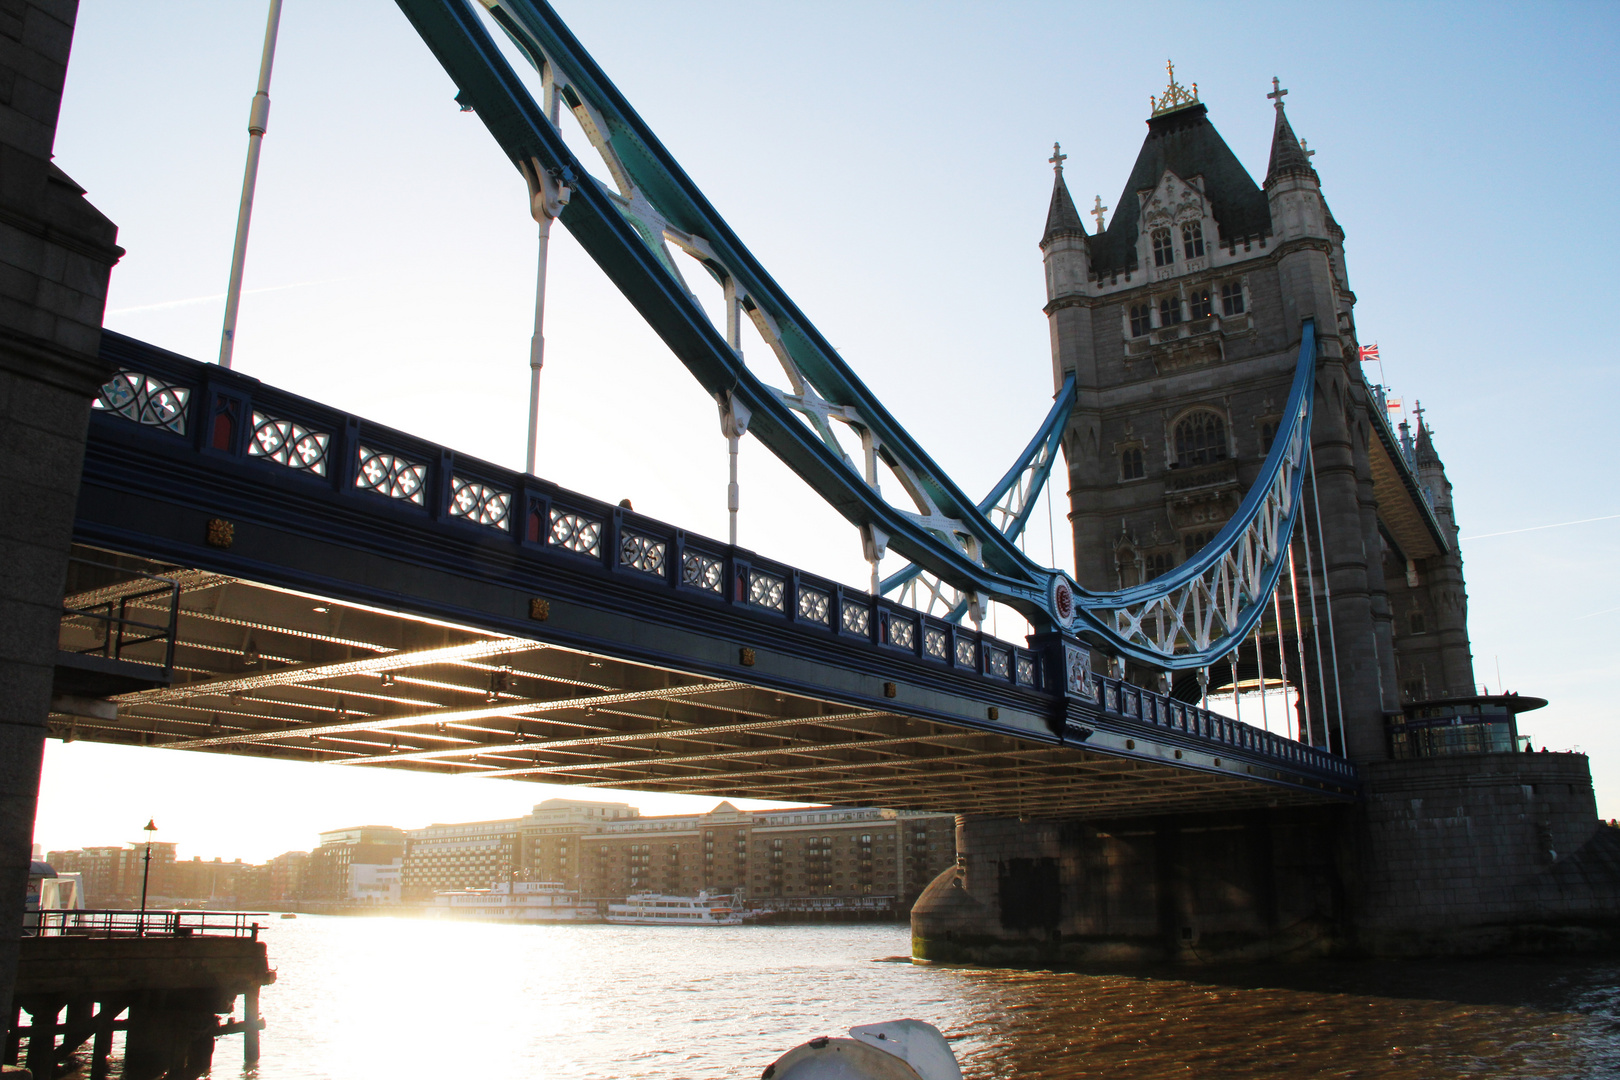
(251,571)
(257,573)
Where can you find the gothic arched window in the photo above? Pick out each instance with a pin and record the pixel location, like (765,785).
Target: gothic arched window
(1192,240)
(1201,303)
(1164,249)
(1232,298)
(1200,438)
(1141,319)
(1169,310)
(1130,464)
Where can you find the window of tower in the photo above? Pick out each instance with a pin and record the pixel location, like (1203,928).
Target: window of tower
(1164,249)
(1415,621)
(1268,435)
(1194,542)
(1200,303)
(1192,240)
(1141,319)
(1200,439)
(1232,298)
(1130,464)
(1156,565)
(1169,311)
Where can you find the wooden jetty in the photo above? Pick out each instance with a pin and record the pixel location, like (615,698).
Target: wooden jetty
(164,978)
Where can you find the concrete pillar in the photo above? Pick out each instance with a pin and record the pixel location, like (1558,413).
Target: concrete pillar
(56,252)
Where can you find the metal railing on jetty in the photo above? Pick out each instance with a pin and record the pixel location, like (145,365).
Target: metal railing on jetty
(170,924)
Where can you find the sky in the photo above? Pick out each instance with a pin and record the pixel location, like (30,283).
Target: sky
(887,163)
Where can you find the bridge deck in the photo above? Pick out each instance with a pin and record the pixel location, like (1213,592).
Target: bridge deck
(343,592)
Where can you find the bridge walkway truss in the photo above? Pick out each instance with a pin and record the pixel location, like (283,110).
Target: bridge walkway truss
(346,593)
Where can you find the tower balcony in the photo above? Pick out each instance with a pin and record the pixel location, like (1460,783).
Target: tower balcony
(1192,341)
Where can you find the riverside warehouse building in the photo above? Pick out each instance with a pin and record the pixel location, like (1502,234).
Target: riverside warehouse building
(769,858)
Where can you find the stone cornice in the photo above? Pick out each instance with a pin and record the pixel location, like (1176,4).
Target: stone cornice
(1213,273)
(104,253)
(29,357)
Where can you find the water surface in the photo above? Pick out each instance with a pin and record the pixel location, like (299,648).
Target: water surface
(401,999)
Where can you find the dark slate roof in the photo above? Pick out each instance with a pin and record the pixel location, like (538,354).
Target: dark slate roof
(1287,156)
(1187,144)
(1062,217)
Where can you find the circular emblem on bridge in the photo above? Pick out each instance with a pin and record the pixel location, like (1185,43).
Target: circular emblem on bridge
(1062,600)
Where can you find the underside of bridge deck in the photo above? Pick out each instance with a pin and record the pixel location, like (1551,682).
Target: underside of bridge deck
(273,672)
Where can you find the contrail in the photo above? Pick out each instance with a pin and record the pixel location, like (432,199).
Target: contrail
(1538,528)
(1595,614)
(216,296)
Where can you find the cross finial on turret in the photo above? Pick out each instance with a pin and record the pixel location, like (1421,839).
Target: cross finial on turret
(1277,92)
(1306,150)
(1417,410)
(1097,211)
(1057,159)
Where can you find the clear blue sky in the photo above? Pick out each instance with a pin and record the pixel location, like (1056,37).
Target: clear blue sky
(887,163)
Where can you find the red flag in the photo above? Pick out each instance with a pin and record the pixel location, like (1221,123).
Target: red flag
(1369,352)
(1393,404)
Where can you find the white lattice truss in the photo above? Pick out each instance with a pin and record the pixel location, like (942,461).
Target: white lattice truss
(926,592)
(657,233)
(1213,603)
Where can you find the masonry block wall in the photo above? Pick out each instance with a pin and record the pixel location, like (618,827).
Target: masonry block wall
(1494,850)
(56,252)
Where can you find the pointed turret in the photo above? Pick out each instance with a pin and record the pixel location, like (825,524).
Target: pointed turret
(1064,244)
(1292,186)
(1062,216)
(1288,156)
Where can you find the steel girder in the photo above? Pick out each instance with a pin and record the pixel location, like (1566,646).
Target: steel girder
(1187,619)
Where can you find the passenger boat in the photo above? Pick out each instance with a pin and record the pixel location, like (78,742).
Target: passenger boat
(517,902)
(656,909)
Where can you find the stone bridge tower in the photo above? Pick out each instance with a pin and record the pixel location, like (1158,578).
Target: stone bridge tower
(1181,321)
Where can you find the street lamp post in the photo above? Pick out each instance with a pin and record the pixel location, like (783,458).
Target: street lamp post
(146,870)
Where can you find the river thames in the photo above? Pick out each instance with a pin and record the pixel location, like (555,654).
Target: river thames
(400,999)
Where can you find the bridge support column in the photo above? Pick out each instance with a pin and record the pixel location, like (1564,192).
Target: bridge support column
(1186,888)
(57,252)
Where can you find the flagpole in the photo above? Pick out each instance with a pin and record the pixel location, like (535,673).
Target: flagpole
(258,120)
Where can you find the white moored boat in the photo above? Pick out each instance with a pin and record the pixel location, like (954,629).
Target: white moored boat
(655,909)
(518,902)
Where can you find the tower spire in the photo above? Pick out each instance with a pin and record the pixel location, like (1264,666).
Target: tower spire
(1061,216)
(1288,157)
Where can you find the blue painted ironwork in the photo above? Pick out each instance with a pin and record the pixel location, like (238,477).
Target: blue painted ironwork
(1013,499)
(148,490)
(1211,602)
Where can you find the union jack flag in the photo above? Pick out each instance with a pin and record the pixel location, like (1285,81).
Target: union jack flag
(1369,352)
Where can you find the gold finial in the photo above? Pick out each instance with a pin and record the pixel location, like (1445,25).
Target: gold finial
(1097,211)
(1175,96)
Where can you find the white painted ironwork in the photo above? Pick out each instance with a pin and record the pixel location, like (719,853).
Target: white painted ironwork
(289,443)
(855,619)
(390,475)
(575,532)
(702,572)
(479,503)
(814,605)
(766,590)
(643,553)
(965,652)
(902,632)
(145,400)
(934,643)
(995,662)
